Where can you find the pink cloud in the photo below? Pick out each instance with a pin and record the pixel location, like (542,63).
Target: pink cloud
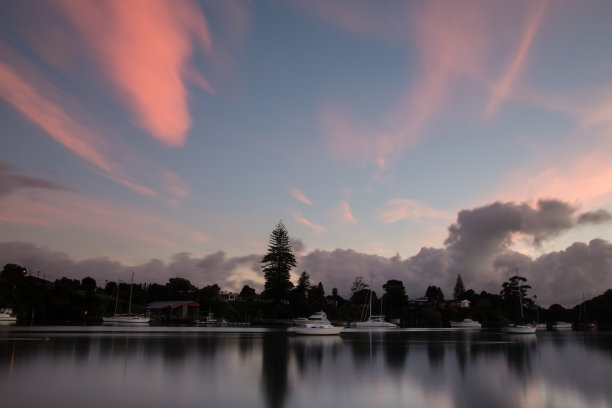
(453,40)
(143,47)
(585,172)
(405,208)
(344,214)
(500,90)
(61,210)
(317,229)
(61,117)
(298,195)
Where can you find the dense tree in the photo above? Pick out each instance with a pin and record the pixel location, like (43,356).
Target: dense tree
(303,283)
(395,296)
(459,288)
(361,297)
(208,295)
(12,272)
(179,285)
(247,292)
(88,284)
(277,265)
(316,296)
(434,294)
(514,293)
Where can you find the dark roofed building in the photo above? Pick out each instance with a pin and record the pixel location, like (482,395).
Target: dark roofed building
(174,310)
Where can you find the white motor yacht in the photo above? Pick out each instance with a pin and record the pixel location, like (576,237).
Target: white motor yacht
(317,324)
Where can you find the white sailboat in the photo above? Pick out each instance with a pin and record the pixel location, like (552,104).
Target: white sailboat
(520,328)
(129,317)
(374,320)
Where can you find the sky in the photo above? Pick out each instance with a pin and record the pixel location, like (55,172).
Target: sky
(409,140)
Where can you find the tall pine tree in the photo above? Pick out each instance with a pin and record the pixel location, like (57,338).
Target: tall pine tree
(277,264)
(459,288)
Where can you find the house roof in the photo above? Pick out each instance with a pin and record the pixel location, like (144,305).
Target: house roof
(173,304)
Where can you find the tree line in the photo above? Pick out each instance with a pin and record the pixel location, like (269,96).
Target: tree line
(66,300)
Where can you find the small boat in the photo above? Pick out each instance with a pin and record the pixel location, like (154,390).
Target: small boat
(466,324)
(561,326)
(317,324)
(374,320)
(583,324)
(211,321)
(7,315)
(128,318)
(520,329)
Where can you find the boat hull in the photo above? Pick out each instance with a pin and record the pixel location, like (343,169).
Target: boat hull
(126,319)
(586,326)
(466,324)
(368,324)
(520,329)
(561,326)
(316,331)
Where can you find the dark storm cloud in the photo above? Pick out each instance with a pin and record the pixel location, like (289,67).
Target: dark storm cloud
(10,182)
(481,235)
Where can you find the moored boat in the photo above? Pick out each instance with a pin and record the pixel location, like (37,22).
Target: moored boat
(128,318)
(375,321)
(466,324)
(561,326)
(7,315)
(520,328)
(583,323)
(316,324)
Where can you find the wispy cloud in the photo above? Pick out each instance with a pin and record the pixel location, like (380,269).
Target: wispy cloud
(453,41)
(405,208)
(11,181)
(585,173)
(69,124)
(316,228)
(62,210)
(500,89)
(298,195)
(143,47)
(343,213)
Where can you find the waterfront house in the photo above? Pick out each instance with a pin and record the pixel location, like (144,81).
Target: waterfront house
(176,310)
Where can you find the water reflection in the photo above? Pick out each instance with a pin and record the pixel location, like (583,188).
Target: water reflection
(271,369)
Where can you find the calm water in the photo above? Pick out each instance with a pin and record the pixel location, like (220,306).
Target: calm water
(192,367)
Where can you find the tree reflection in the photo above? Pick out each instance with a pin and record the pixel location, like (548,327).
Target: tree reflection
(519,354)
(275,358)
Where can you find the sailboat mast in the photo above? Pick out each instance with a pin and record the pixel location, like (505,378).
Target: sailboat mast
(130,304)
(370,302)
(520,296)
(117,296)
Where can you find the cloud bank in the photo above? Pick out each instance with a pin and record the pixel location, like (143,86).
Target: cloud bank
(479,247)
